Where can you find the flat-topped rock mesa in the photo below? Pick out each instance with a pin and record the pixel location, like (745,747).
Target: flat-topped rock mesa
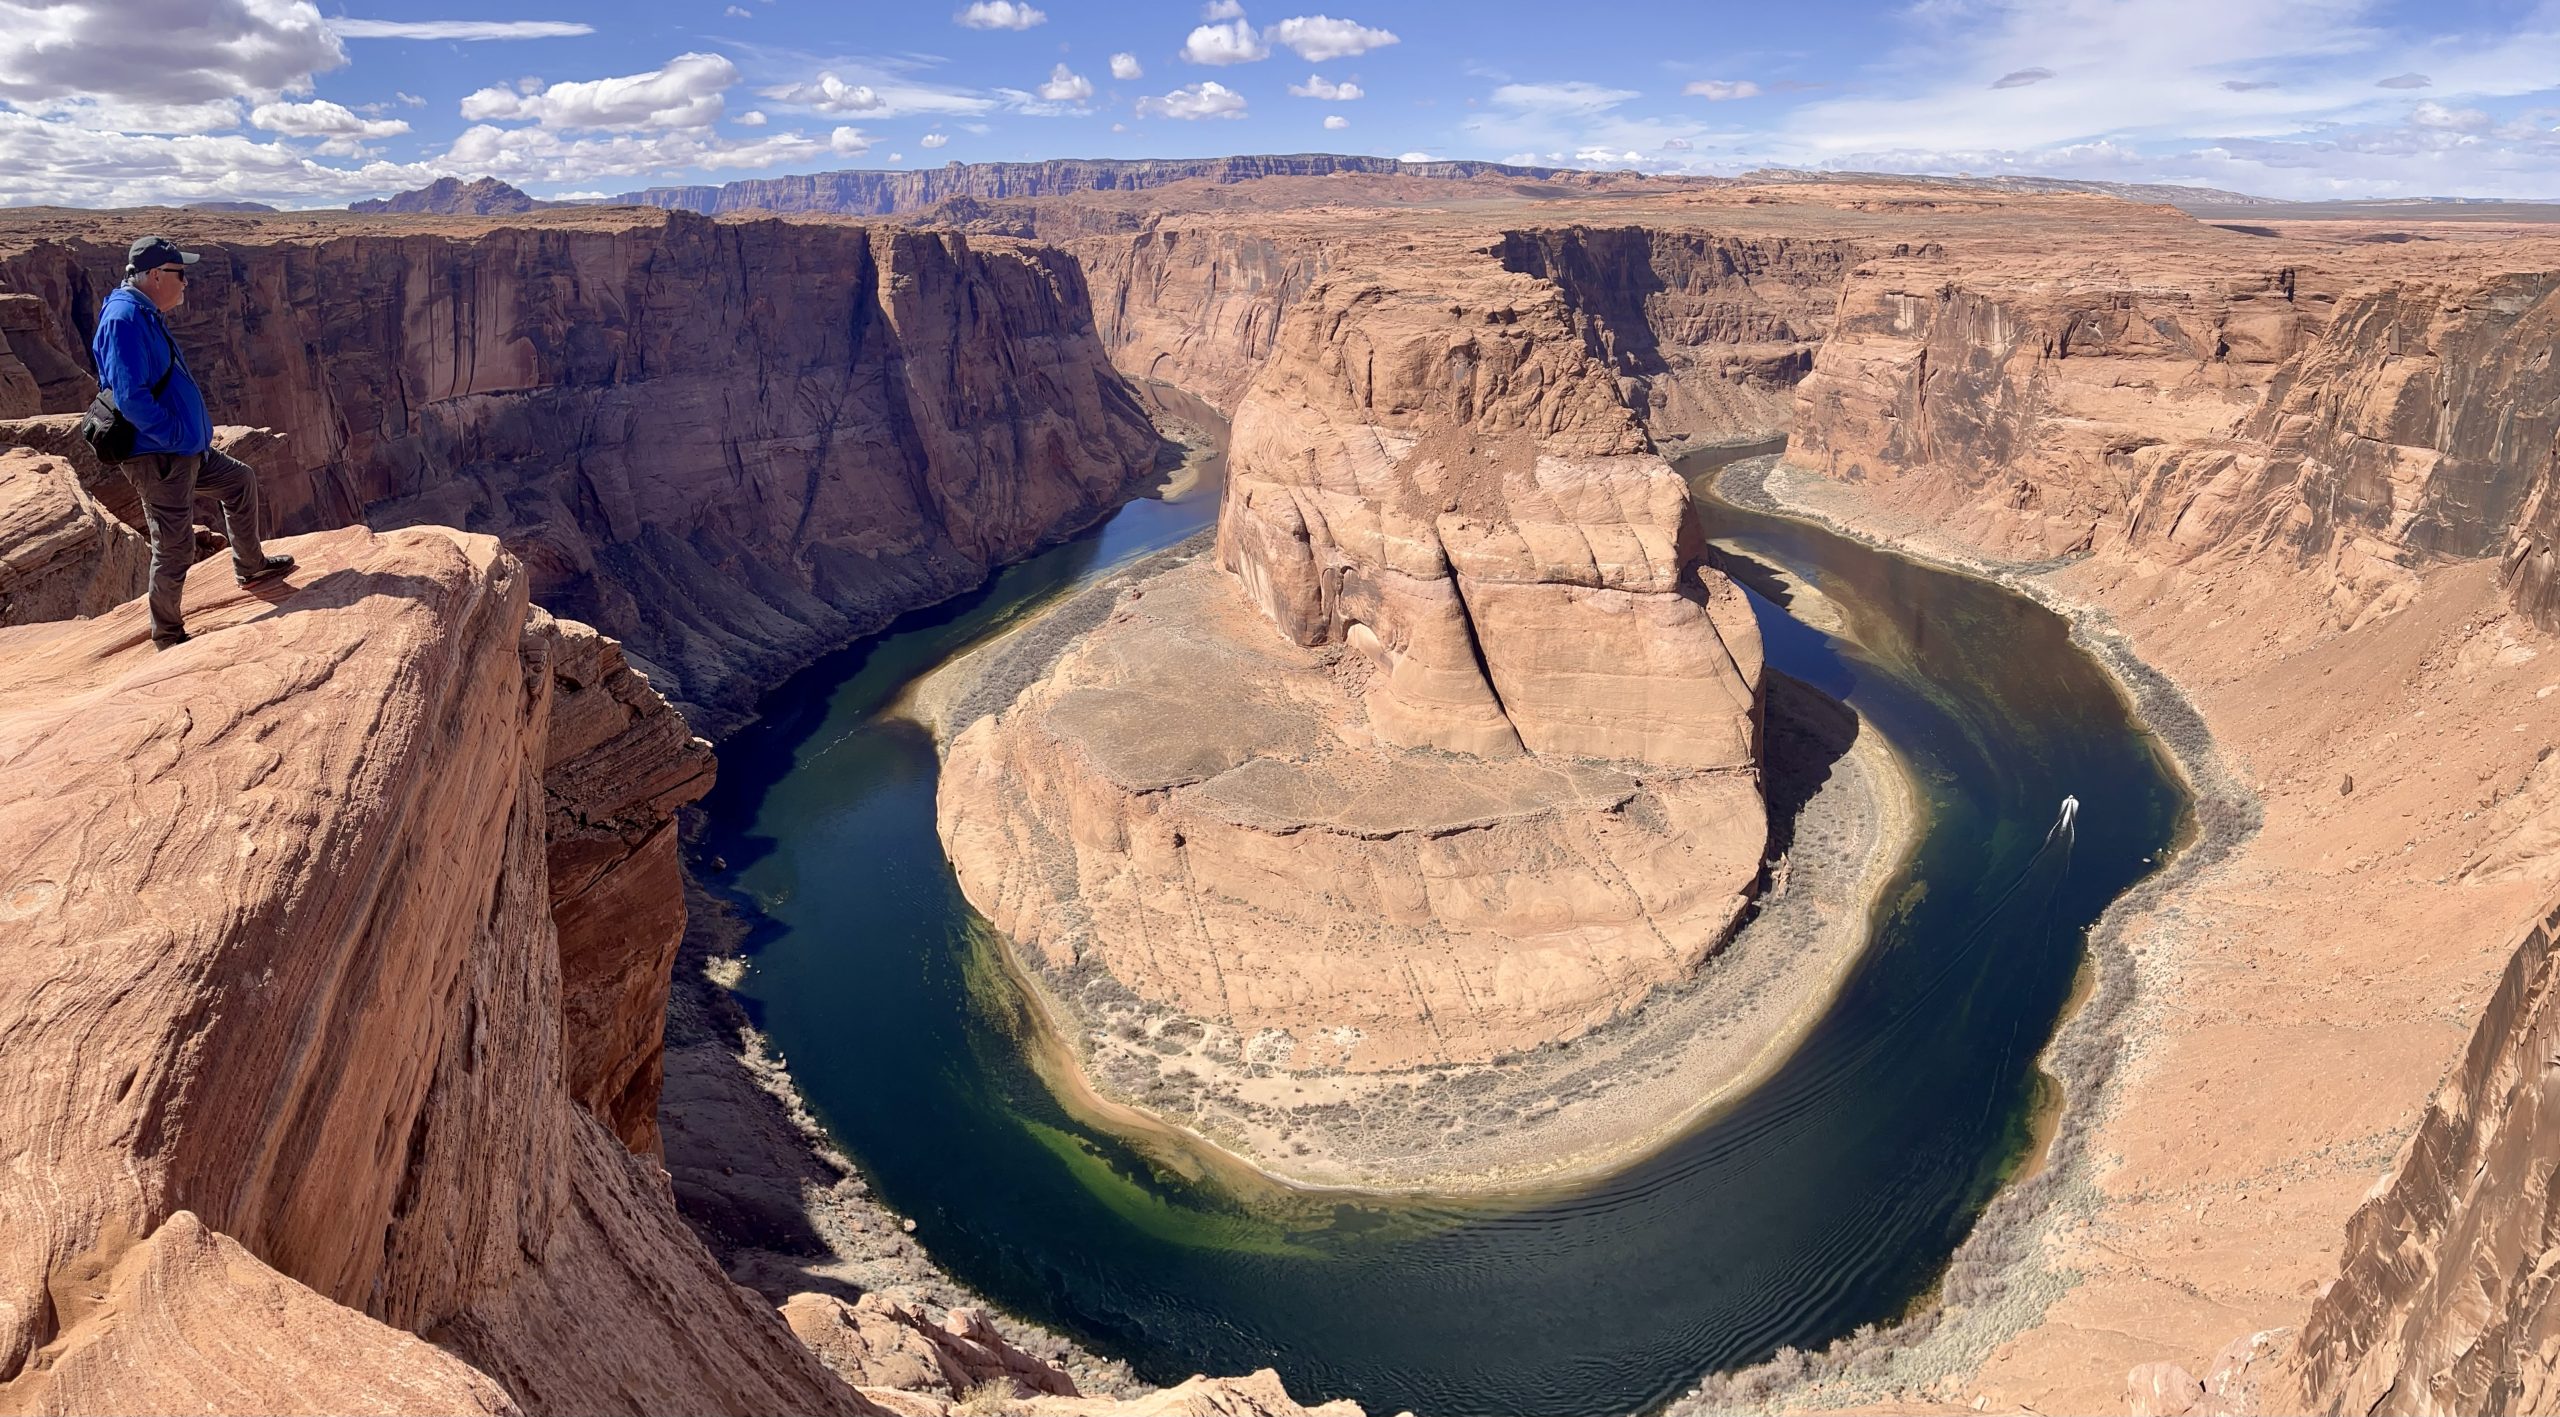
(1451,754)
(882,193)
(731,445)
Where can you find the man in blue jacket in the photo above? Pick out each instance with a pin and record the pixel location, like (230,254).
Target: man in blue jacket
(173,458)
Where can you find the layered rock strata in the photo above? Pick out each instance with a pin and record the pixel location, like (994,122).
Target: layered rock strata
(284,1025)
(2443,1301)
(882,193)
(38,374)
(2356,421)
(729,445)
(618,764)
(1708,333)
(61,553)
(1451,754)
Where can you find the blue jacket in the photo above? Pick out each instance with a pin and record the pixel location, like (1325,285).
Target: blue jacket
(132,350)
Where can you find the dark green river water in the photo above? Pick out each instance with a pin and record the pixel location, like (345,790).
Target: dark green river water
(1828,1198)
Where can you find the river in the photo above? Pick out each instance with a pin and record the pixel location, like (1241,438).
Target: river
(1827,1198)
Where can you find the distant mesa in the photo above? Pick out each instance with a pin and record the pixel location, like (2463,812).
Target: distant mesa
(228,207)
(2161,193)
(450,196)
(880,193)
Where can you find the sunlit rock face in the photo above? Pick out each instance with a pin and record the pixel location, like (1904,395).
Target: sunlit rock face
(290,1118)
(730,445)
(1446,749)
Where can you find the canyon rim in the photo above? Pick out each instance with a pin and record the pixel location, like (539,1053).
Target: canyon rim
(360,1051)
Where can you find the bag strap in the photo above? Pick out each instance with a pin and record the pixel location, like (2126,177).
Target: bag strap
(160,385)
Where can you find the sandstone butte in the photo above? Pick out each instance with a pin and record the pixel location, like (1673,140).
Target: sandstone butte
(2307,477)
(1524,798)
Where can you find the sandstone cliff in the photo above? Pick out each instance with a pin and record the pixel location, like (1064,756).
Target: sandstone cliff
(729,445)
(2360,422)
(1709,333)
(39,373)
(2443,1301)
(288,1065)
(878,193)
(1459,755)
(62,554)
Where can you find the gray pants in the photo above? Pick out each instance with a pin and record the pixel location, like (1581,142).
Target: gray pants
(169,485)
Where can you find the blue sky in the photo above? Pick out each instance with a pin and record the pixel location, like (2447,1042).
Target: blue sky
(304,105)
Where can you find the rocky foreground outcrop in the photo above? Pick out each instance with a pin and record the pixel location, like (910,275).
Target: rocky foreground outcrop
(331,1026)
(284,1025)
(1456,757)
(730,445)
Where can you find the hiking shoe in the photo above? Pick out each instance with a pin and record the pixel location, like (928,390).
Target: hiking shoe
(276,566)
(171,640)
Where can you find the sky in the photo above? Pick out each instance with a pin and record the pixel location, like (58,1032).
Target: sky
(297,104)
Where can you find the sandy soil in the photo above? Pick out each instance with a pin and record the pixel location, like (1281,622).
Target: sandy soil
(2273,1011)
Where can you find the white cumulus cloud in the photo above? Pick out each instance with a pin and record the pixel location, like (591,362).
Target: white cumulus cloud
(1335,122)
(1125,66)
(1231,43)
(877,93)
(1222,10)
(528,155)
(459,29)
(1201,100)
(162,55)
(848,142)
(999,15)
(749,119)
(686,93)
(1318,38)
(1318,86)
(935,140)
(2431,114)
(1722,90)
(1066,86)
(322,119)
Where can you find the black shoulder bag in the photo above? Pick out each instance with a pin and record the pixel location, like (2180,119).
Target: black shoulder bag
(104,427)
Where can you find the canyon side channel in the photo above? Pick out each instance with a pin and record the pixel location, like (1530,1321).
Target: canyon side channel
(358,1054)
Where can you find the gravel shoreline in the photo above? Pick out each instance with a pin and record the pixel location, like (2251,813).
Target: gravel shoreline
(2000,1281)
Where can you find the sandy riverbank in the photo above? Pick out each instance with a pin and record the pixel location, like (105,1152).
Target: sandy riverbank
(2269,1012)
(1850,817)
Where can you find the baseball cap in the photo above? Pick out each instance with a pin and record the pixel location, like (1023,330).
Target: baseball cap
(153,251)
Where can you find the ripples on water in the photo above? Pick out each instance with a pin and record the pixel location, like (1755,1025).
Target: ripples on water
(1828,1198)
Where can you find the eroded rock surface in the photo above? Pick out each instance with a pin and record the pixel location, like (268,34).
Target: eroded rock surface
(1451,754)
(283,1025)
(730,445)
(61,553)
